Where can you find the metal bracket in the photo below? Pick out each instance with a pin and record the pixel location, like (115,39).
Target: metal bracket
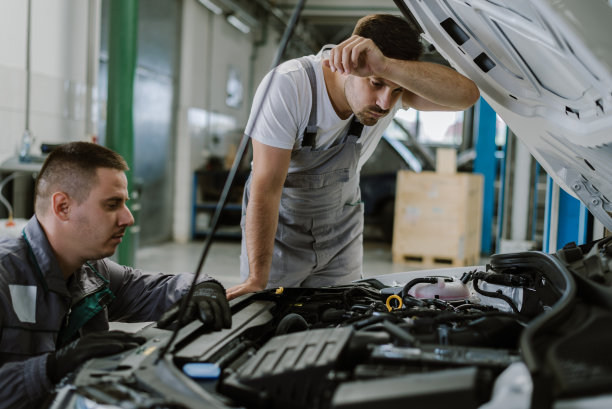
(592,198)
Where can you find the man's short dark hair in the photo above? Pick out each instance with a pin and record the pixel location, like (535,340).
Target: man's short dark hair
(72,168)
(394,36)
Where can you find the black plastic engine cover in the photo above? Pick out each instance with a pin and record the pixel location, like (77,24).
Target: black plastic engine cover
(289,371)
(452,388)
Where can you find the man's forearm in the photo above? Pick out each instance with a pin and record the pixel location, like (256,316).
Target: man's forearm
(434,82)
(269,172)
(260,229)
(427,86)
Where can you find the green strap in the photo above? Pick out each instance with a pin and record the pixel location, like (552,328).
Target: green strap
(84,310)
(98,274)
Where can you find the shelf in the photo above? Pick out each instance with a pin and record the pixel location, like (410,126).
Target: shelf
(222,233)
(213,206)
(203,210)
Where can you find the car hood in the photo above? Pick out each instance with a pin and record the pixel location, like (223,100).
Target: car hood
(545,66)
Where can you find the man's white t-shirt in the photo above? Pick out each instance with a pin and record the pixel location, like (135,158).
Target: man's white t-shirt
(284,114)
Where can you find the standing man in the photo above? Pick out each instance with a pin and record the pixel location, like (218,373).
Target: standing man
(320,121)
(58,290)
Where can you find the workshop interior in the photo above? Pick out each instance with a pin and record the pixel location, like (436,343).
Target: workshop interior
(493,224)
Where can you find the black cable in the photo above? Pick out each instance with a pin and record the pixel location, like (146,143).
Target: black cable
(368,296)
(496,295)
(413,282)
(401,336)
(459,317)
(467,306)
(440,303)
(505,279)
(232,175)
(410,301)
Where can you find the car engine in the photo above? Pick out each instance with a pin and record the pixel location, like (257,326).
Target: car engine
(440,338)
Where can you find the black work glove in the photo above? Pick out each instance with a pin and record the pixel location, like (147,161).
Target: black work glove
(208,304)
(68,358)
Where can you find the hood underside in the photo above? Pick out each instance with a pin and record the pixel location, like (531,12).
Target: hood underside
(545,66)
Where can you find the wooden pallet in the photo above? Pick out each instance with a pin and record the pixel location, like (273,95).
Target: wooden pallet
(427,260)
(438,219)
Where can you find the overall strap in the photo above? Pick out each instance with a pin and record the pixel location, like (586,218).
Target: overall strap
(310,133)
(355,128)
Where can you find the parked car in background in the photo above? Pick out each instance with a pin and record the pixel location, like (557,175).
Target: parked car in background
(378,182)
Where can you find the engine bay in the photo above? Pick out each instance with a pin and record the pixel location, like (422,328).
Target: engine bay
(435,338)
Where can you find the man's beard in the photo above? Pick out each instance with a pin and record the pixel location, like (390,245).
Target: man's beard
(364,116)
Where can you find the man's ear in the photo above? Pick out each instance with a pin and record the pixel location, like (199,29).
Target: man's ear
(60,205)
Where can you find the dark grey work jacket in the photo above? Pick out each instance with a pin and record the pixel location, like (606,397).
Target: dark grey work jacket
(34,301)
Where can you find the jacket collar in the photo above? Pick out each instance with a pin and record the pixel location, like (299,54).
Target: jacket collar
(44,258)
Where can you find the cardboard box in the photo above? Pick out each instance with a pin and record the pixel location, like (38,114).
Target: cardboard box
(438,219)
(446,161)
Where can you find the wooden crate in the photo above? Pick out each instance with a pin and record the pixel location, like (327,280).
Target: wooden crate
(438,219)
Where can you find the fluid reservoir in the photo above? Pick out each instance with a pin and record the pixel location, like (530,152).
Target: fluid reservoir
(446,288)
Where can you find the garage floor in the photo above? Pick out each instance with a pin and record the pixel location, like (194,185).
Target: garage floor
(223,259)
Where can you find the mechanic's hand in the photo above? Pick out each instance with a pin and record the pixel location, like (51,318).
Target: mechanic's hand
(208,304)
(98,344)
(244,288)
(357,56)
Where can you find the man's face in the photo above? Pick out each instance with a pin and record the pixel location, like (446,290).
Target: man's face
(100,221)
(371,98)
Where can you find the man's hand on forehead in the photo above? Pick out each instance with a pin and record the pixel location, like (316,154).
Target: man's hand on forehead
(357,56)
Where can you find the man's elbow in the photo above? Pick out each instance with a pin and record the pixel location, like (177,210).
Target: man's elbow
(472,93)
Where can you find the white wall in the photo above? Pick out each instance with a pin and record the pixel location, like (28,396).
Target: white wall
(58,71)
(209,46)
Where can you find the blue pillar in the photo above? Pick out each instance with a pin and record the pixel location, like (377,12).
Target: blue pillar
(534,210)
(571,219)
(485,163)
(501,194)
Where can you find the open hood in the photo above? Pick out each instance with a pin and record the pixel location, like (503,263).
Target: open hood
(545,66)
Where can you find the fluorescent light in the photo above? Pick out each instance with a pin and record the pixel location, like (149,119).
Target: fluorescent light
(212,7)
(239,24)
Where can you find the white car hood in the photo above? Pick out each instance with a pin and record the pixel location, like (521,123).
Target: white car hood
(545,66)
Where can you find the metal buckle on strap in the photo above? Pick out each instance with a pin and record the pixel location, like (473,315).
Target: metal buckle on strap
(310,135)
(355,128)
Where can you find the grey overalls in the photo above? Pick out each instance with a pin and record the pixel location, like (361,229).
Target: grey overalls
(319,238)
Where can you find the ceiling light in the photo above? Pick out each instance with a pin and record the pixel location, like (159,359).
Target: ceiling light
(239,24)
(210,5)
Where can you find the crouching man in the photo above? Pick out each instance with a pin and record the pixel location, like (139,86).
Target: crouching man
(58,289)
